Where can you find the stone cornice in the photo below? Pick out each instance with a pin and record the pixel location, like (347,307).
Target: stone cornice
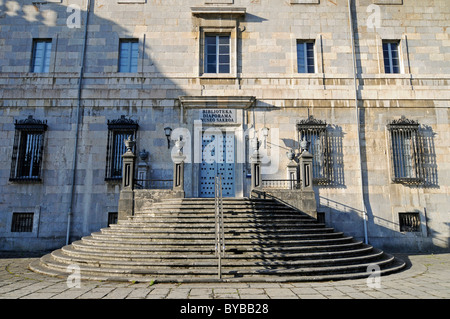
(230,102)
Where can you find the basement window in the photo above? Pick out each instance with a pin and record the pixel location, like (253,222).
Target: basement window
(22,222)
(112,218)
(409,222)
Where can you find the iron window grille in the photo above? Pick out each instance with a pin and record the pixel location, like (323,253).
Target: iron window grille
(28,148)
(406,152)
(409,222)
(118,131)
(315,132)
(305,56)
(22,222)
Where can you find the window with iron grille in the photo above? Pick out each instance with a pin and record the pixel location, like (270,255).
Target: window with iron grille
(314,131)
(406,152)
(118,131)
(28,147)
(409,222)
(22,222)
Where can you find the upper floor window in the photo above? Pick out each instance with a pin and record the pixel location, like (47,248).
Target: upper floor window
(42,50)
(217,53)
(391,57)
(406,151)
(118,131)
(305,56)
(128,55)
(27,150)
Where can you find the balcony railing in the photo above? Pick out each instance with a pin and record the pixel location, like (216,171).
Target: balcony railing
(281,183)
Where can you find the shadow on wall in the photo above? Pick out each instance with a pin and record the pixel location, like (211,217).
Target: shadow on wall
(129,94)
(382,233)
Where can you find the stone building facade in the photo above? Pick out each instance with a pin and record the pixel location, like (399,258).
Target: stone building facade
(365,81)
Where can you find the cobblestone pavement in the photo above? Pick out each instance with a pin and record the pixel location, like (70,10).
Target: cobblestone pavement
(426,277)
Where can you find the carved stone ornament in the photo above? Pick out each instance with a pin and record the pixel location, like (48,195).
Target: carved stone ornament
(129,143)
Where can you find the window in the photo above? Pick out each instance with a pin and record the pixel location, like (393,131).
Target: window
(22,223)
(27,150)
(217,54)
(118,131)
(305,57)
(391,57)
(409,222)
(315,133)
(112,218)
(42,49)
(128,55)
(406,151)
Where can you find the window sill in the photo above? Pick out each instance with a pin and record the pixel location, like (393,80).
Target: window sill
(218,76)
(36,180)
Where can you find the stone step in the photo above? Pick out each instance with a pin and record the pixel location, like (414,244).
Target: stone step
(80,249)
(69,257)
(174,241)
(100,273)
(229,235)
(89,244)
(201,229)
(230,242)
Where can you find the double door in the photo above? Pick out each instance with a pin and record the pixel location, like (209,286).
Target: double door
(218,159)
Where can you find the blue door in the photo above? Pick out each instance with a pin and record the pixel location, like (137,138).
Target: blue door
(217,160)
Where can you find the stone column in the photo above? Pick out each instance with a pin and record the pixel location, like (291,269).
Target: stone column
(126,201)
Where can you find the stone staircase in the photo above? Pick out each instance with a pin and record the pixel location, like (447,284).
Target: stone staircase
(174,241)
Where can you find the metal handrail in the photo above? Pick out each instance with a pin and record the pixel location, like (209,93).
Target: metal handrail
(219,225)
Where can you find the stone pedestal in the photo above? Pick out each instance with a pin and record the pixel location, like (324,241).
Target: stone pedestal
(292,174)
(178,172)
(126,200)
(256,171)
